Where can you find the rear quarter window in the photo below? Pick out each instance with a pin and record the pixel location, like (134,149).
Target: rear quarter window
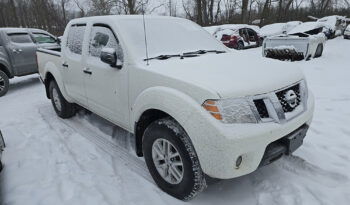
(20,37)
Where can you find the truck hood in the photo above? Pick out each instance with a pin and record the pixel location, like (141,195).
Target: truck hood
(231,74)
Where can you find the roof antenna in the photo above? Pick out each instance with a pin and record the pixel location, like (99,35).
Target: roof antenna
(144,30)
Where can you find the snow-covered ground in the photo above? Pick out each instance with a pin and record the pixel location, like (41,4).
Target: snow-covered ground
(86,160)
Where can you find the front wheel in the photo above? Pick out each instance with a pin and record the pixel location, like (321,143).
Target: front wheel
(62,107)
(172,160)
(4,83)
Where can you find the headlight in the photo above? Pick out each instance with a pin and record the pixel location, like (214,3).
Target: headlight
(231,110)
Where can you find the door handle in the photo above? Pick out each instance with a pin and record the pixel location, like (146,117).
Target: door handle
(16,50)
(65,65)
(87,71)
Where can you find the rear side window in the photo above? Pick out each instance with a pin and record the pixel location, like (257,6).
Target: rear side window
(101,37)
(43,38)
(20,37)
(75,38)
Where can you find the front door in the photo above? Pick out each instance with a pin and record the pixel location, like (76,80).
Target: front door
(72,67)
(22,52)
(106,86)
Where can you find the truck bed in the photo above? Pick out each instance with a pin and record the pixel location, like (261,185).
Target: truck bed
(47,59)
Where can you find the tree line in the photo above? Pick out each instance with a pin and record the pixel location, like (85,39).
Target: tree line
(53,15)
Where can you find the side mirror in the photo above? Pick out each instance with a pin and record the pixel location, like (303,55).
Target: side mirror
(58,40)
(109,56)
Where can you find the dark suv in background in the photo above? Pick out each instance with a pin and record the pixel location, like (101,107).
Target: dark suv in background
(18,52)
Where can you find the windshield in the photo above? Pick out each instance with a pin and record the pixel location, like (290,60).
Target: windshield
(166,36)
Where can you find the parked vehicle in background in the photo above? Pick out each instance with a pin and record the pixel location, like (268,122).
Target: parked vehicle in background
(336,24)
(312,28)
(18,52)
(2,146)
(186,123)
(347,32)
(294,47)
(278,28)
(236,36)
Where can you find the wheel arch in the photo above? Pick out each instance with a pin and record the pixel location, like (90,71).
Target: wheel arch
(156,103)
(6,70)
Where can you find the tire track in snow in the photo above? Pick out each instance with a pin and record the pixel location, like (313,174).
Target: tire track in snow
(76,125)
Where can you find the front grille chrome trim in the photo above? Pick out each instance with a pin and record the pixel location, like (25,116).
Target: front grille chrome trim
(274,107)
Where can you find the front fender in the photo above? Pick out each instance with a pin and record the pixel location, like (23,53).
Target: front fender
(175,103)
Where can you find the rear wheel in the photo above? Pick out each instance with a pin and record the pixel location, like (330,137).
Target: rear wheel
(172,160)
(4,83)
(62,107)
(319,51)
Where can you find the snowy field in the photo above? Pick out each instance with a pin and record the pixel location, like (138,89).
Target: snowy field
(85,160)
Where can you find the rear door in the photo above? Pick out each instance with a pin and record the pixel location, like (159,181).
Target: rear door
(106,86)
(22,52)
(72,65)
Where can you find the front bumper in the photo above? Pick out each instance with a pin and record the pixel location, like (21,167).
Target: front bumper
(219,145)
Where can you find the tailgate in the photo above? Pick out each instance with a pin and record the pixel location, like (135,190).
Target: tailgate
(286,48)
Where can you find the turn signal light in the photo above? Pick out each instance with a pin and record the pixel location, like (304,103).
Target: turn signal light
(211,107)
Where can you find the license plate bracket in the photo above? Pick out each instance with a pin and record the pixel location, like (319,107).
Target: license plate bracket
(294,140)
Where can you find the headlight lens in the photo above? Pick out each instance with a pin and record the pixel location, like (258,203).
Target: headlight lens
(231,110)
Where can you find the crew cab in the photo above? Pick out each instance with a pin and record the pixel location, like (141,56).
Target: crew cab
(192,112)
(17,52)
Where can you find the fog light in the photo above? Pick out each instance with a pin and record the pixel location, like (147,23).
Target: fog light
(238,162)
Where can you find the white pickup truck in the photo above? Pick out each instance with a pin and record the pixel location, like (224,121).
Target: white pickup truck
(194,112)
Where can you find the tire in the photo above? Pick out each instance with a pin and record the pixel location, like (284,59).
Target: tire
(1,166)
(319,51)
(192,181)
(62,107)
(4,83)
(240,45)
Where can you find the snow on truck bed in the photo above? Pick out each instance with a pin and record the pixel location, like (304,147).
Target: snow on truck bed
(86,160)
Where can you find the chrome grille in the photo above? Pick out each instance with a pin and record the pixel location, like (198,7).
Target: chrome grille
(281,105)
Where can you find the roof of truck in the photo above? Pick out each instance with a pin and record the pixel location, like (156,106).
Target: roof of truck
(120,17)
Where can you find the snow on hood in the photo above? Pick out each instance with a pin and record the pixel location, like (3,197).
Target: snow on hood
(230,74)
(307,26)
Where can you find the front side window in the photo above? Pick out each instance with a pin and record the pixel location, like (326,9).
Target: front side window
(20,37)
(103,37)
(75,38)
(43,38)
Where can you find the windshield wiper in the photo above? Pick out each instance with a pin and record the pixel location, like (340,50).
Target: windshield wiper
(165,57)
(204,52)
